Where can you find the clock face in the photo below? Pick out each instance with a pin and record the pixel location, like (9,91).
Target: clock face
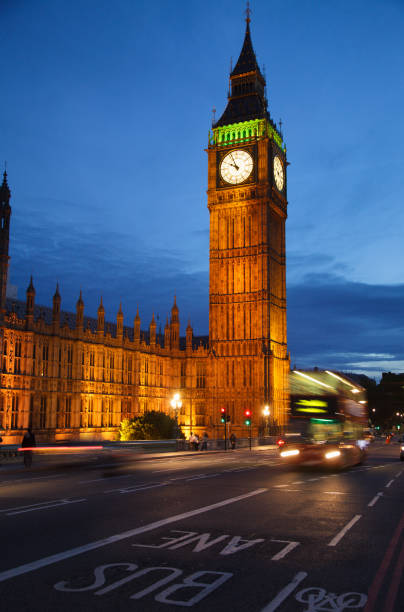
(279,175)
(236,166)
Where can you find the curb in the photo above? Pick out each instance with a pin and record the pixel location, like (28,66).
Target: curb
(42,466)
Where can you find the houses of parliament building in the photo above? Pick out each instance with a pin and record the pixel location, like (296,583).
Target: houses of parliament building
(69,376)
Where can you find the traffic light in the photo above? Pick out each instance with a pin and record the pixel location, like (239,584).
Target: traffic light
(223,415)
(247,415)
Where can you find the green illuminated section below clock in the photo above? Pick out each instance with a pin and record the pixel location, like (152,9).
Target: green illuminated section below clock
(244,132)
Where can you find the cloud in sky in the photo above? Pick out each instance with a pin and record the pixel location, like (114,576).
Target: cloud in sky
(333,322)
(338,323)
(80,253)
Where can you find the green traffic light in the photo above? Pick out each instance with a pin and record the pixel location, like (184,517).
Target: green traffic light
(248,422)
(223,420)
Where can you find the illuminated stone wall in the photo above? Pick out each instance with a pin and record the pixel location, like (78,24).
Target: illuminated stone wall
(79,384)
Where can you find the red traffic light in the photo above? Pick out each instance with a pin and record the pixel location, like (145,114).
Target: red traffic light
(280,442)
(247,412)
(223,410)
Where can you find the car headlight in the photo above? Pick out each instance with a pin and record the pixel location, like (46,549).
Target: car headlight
(290,453)
(332,454)
(402,448)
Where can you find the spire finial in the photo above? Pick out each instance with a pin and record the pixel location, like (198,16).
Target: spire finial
(31,285)
(80,300)
(248,14)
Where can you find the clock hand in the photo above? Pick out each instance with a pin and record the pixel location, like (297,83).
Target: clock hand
(234,164)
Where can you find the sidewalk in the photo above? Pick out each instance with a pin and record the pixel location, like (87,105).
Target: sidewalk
(44,462)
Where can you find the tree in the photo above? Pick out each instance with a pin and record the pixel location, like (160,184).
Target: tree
(149,426)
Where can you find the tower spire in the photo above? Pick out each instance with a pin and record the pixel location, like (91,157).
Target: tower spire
(247,97)
(5,213)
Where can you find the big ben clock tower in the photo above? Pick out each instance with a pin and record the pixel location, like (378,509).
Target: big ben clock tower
(247,202)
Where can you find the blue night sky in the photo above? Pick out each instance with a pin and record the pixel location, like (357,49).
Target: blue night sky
(104,116)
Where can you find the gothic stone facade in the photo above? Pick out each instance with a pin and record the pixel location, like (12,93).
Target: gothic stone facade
(70,376)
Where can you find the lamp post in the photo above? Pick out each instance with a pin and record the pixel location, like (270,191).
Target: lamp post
(176,404)
(266,412)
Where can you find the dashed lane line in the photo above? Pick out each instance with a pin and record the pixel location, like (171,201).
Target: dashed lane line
(344,530)
(137,488)
(40,506)
(202,477)
(375,500)
(389,483)
(284,593)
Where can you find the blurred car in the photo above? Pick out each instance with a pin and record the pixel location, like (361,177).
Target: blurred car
(402,452)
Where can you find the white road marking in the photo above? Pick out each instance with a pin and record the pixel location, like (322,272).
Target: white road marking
(280,486)
(389,483)
(375,499)
(138,484)
(285,550)
(103,478)
(334,493)
(343,531)
(41,506)
(79,550)
(137,488)
(25,480)
(202,477)
(284,593)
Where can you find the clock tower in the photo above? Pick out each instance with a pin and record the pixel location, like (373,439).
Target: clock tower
(247,202)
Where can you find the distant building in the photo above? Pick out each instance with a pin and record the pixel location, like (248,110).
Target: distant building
(70,376)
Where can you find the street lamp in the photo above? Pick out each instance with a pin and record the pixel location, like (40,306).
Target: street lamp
(176,404)
(266,412)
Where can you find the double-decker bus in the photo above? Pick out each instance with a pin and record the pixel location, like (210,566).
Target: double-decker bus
(328,415)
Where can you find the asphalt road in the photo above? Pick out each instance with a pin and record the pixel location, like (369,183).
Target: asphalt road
(227,531)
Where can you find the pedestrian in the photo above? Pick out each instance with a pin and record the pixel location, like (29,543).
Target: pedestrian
(191,441)
(196,442)
(204,445)
(28,442)
(233,441)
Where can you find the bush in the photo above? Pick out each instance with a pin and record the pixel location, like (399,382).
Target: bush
(149,426)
